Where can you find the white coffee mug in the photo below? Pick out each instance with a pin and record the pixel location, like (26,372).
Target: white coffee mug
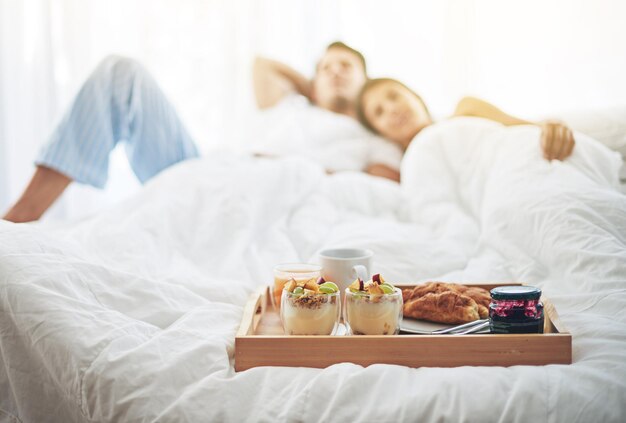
(344,265)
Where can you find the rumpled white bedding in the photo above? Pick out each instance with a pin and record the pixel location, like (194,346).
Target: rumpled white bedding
(131,315)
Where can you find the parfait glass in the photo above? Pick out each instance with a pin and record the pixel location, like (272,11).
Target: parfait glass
(372,314)
(313,314)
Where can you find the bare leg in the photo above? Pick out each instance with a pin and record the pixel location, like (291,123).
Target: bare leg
(44,188)
(119,101)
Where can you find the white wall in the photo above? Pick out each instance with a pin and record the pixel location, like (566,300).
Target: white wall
(546,56)
(532,58)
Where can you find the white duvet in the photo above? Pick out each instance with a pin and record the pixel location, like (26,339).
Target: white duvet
(131,315)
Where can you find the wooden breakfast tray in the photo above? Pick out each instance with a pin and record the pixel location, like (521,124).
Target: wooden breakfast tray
(260,341)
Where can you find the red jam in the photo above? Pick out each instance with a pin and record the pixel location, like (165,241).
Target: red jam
(516,309)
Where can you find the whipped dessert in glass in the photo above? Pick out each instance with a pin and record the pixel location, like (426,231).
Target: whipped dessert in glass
(310,307)
(373,307)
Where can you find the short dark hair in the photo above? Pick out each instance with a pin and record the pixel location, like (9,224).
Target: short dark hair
(371,83)
(357,53)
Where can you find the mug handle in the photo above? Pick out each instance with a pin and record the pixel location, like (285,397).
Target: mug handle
(360,271)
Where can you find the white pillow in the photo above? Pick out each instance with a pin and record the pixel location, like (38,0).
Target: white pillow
(607,125)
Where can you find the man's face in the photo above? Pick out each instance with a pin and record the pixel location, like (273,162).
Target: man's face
(338,80)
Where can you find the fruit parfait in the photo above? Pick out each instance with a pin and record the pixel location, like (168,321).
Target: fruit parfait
(373,307)
(310,307)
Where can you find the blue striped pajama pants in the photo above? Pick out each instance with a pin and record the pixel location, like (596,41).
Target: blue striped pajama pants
(120,101)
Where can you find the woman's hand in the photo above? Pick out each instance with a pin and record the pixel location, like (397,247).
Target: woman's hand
(557,140)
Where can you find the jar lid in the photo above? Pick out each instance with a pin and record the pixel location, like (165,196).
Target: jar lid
(516,292)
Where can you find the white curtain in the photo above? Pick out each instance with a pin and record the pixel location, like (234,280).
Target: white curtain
(532,58)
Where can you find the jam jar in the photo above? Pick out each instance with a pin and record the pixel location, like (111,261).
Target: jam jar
(516,309)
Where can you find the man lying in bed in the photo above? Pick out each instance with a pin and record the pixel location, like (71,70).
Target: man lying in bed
(121,101)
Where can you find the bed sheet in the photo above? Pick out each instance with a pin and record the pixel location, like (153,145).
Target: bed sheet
(130,315)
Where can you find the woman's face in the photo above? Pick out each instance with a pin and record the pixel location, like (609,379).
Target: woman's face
(395,112)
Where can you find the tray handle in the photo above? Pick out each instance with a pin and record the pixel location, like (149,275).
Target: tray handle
(252,312)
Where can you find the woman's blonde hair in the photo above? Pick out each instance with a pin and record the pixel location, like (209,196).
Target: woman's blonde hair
(371,83)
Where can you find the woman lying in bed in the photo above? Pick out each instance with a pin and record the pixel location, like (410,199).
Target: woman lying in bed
(389,108)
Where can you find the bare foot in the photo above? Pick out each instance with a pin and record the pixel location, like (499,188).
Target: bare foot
(44,188)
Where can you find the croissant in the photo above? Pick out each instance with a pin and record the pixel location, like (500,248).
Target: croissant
(480,304)
(421,290)
(444,307)
(481,296)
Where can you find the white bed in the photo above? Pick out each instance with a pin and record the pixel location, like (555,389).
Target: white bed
(130,315)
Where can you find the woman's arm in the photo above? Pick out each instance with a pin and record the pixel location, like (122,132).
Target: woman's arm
(274,80)
(557,140)
(472,106)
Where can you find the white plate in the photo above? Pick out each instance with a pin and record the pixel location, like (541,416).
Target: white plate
(422,326)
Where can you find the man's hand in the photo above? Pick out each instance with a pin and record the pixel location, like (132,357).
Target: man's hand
(384,171)
(557,140)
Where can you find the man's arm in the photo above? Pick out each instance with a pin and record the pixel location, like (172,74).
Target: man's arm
(557,140)
(274,80)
